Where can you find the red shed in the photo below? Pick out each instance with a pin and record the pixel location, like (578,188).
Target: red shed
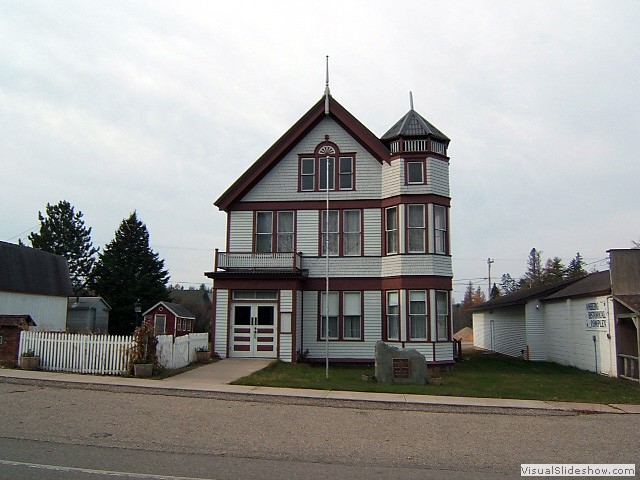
(170,319)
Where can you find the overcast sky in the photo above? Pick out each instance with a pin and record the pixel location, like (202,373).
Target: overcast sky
(158,106)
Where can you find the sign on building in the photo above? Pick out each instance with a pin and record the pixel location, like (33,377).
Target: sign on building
(597,316)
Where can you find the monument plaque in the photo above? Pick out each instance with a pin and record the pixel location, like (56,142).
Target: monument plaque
(400,367)
(404,366)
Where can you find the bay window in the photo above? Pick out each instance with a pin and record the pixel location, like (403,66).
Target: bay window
(391,229)
(418,315)
(393,316)
(440,228)
(442,310)
(415,228)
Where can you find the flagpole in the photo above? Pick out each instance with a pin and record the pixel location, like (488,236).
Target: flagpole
(326,248)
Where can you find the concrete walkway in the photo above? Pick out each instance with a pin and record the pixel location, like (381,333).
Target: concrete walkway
(215,377)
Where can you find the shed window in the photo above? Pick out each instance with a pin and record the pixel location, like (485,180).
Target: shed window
(160,324)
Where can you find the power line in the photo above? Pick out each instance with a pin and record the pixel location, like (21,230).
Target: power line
(21,233)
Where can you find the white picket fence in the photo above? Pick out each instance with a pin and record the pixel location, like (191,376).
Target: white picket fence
(181,351)
(104,354)
(65,352)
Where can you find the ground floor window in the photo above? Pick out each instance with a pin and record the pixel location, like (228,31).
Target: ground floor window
(442,308)
(393,317)
(342,314)
(418,314)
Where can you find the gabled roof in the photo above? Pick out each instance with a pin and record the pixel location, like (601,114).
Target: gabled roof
(598,283)
(85,303)
(284,144)
(522,296)
(414,125)
(29,270)
(175,308)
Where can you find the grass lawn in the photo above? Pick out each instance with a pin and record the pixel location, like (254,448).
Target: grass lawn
(479,375)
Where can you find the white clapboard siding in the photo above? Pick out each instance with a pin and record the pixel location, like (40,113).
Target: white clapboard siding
(222,312)
(285,347)
(502,331)
(372,235)
(64,352)
(48,311)
(240,231)
(307,232)
(286,300)
(281,183)
(392,178)
(427,264)
(438,176)
(570,343)
(343,266)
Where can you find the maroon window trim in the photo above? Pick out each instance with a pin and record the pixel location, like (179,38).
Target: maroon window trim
(385,246)
(336,155)
(448,339)
(340,317)
(341,232)
(274,228)
(406,172)
(425,228)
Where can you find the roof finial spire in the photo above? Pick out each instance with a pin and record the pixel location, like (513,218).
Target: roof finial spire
(326,91)
(411,99)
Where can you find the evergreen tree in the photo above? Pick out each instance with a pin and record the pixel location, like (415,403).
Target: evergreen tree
(495,292)
(533,275)
(128,271)
(576,267)
(554,270)
(508,284)
(479,297)
(63,232)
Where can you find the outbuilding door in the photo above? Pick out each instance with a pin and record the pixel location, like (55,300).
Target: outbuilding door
(253,330)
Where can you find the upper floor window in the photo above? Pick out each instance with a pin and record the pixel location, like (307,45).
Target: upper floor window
(266,224)
(391,229)
(313,168)
(415,229)
(264,231)
(284,240)
(342,232)
(415,173)
(440,228)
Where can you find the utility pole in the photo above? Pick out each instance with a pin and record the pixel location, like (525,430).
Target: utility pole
(489,262)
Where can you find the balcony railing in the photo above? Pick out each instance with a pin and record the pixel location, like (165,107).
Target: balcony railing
(629,367)
(278,261)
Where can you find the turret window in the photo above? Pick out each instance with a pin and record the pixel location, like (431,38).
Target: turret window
(415,173)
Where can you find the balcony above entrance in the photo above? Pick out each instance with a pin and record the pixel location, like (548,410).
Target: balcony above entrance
(279,263)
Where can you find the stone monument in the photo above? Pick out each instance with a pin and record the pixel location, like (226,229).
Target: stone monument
(405,366)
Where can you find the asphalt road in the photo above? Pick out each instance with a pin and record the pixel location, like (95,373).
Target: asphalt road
(73,433)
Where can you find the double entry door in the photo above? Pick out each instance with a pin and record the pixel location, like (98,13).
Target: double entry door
(253,330)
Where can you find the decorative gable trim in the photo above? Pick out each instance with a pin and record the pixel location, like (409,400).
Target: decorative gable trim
(284,144)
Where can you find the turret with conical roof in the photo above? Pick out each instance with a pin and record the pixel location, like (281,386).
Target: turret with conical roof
(414,134)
